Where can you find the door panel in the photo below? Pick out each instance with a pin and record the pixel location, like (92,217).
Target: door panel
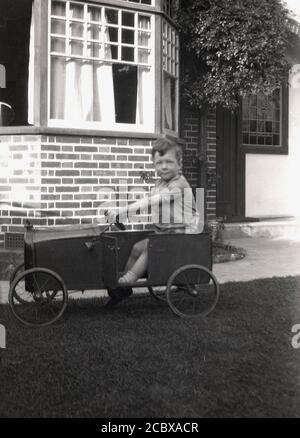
(228,161)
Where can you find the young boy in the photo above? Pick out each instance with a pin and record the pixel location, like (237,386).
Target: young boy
(173,210)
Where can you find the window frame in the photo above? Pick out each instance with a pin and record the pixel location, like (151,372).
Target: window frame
(176,76)
(113,126)
(281,149)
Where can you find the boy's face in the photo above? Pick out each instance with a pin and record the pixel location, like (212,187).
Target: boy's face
(167,165)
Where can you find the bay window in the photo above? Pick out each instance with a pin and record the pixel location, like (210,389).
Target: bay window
(98,65)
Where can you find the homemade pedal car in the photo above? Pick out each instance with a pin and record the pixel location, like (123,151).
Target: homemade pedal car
(62,260)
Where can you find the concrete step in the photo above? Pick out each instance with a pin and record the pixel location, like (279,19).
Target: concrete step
(276,228)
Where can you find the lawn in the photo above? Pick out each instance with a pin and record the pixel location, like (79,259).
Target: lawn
(140,360)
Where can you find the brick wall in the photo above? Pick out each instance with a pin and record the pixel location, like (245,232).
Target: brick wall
(56,180)
(69,180)
(20,182)
(191,134)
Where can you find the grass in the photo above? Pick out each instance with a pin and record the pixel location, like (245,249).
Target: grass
(140,360)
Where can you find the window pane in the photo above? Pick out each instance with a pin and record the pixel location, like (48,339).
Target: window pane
(94,50)
(111,52)
(144,39)
(58,27)
(144,56)
(127,36)
(127,19)
(276,140)
(268,127)
(127,54)
(113,34)
(144,22)
(76,11)
(58,8)
(125,89)
(76,30)
(94,32)
(76,48)
(58,45)
(111,16)
(94,14)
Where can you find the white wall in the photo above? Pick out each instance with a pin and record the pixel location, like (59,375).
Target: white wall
(273,182)
(293,5)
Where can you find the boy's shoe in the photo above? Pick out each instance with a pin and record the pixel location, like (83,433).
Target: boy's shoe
(117,295)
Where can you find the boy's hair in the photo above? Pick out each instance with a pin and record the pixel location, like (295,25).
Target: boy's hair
(165,144)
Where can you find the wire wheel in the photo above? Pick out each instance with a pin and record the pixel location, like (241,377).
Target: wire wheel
(196,294)
(38,297)
(18,269)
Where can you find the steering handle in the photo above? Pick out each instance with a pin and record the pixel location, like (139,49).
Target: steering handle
(120,225)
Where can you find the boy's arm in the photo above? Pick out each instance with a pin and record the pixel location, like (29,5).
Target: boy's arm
(132,208)
(153,199)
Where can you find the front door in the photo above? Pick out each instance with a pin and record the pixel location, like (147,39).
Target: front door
(230,167)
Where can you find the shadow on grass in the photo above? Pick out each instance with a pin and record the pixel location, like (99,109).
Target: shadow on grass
(139,360)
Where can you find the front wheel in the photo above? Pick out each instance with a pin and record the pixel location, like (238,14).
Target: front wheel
(38,297)
(196,293)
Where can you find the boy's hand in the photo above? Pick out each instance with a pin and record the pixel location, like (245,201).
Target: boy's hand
(111,216)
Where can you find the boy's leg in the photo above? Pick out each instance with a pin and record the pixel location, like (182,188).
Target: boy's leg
(136,251)
(139,267)
(118,294)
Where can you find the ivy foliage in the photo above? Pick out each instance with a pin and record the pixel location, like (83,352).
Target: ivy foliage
(234,48)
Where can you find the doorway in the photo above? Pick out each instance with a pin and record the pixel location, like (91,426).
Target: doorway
(230,168)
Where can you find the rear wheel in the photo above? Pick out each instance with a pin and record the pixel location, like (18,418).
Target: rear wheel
(196,293)
(19,268)
(38,297)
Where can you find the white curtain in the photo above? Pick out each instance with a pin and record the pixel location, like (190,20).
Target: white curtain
(31,70)
(144,97)
(168,102)
(82,91)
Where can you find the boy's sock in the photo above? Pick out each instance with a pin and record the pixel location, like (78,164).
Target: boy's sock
(128,278)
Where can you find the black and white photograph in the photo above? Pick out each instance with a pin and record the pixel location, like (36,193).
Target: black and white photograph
(149,212)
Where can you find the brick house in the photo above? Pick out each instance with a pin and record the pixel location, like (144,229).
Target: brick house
(86,86)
